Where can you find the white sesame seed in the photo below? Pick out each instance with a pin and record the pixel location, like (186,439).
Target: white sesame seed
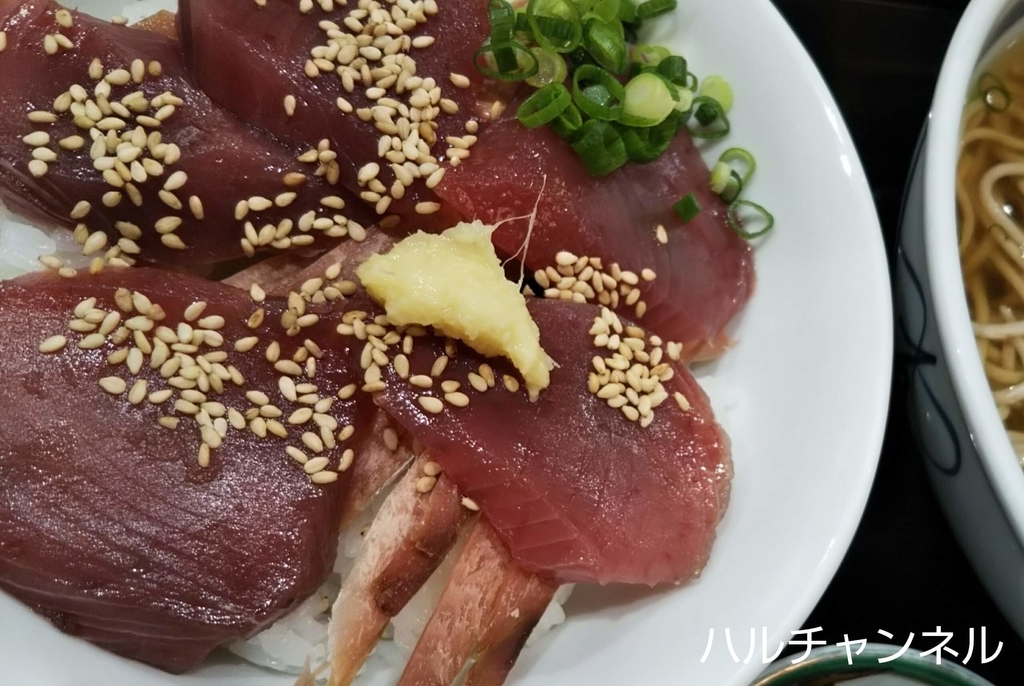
(430,404)
(3,41)
(324,477)
(457,399)
(425,484)
(114,385)
(53,344)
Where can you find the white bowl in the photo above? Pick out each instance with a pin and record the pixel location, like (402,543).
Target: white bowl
(969,458)
(808,381)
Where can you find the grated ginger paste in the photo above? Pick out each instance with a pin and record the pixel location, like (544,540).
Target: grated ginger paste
(454,282)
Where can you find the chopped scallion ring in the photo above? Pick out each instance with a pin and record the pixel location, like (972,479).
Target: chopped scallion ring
(492,59)
(503,20)
(709,112)
(650,55)
(654,8)
(556,24)
(607,10)
(600,147)
(567,123)
(647,102)
(733,188)
(718,88)
(606,45)
(551,68)
(543,106)
(749,164)
(739,225)
(720,175)
(597,93)
(627,12)
(673,68)
(687,208)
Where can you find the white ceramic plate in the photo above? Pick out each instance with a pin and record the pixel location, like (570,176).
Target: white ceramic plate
(810,378)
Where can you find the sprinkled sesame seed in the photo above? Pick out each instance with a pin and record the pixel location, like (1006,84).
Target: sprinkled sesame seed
(38,168)
(457,399)
(427,207)
(430,404)
(425,484)
(324,477)
(114,385)
(53,344)
(3,41)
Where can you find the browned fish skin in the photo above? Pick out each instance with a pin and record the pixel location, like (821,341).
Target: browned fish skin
(109,525)
(408,539)
(224,161)
(488,602)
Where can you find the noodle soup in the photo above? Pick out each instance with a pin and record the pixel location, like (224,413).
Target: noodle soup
(990,202)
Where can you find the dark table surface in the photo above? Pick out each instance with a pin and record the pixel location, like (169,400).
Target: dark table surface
(904,572)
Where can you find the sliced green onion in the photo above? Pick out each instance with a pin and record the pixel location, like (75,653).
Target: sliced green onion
(567,123)
(684,103)
(654,8)
(692,82)
(551,68)
(718,88)
(627,12)
(492,60)
(648,144)
(740,155)
(600,147)
(543,106)
(650,55)
(555,23)
(523,24)
(503,20)
(606,45)
(583,6)
(709,112)
(647,102)
(673,68)
(739,226)
(733,188)
(687,208)
(607,10)
(720,175)
(597,93)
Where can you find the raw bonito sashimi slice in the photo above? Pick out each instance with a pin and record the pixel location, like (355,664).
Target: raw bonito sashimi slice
(109,524)
(703,275)
(578,490)
(178,178)
(399,62)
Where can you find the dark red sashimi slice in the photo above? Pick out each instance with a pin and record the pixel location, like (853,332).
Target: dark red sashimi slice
(224,160)
(704,274)
(108,524)
(249,59)
(576,491)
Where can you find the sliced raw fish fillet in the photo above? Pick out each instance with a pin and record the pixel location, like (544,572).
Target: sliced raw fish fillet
(704,275)
(109,525)
(574,489)
(220,160)
(249,59)
(487,603)
(408,539)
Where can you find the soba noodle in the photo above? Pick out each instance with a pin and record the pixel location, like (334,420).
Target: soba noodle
(990,202)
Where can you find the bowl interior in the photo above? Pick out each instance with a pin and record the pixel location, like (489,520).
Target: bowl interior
(986,28)
(804,395)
